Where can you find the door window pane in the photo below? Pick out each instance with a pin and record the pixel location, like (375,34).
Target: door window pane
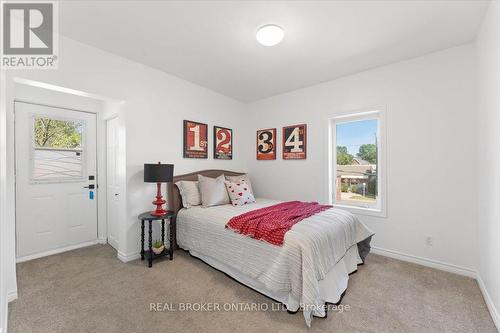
(57,149)
(357,154)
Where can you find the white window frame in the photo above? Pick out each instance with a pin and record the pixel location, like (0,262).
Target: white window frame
(380,210)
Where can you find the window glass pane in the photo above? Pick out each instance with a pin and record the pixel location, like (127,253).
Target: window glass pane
(54,133)
(57,149)
(356,182)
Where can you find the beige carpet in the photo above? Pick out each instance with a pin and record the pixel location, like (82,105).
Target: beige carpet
(90,290)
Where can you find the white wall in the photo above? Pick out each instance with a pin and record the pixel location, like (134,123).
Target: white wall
(4,268)
(155,134)
(430,104)
(488,157)
(155,104)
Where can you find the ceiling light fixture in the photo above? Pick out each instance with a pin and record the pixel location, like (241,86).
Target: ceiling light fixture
(269,35)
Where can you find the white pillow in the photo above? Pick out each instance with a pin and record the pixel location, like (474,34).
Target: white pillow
(213,191)
(190,193)
(242,178)
(240,193)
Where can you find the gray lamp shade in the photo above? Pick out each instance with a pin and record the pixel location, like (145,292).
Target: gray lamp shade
(158,173)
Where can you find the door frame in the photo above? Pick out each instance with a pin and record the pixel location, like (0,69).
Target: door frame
(13,87)
(106,122)
(102,235)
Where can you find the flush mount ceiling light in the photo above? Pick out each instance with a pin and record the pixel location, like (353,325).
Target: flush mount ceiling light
(269,35)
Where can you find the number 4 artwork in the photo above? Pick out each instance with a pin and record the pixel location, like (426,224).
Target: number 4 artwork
(223,143)
(195,140)
(294,142)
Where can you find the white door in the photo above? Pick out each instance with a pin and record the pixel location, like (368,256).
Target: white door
(113,188)
(55,164)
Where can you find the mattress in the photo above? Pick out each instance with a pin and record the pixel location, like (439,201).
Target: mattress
(311,267)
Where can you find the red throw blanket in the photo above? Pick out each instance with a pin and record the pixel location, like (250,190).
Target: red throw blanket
(271,223)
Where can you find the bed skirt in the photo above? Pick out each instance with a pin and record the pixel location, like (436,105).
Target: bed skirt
(332,287)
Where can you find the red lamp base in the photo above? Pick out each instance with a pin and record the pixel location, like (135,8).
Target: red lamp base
(160,212)
(159,202)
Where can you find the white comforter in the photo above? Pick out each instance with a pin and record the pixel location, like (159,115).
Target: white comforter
(310,250)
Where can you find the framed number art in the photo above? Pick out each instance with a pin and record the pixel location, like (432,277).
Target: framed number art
(223,143)
(266,144)
(195,139)
(294,142)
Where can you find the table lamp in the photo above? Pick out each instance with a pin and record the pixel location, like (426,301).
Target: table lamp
(158,173)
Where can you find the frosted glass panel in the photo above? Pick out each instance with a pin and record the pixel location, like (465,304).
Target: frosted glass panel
(57,164)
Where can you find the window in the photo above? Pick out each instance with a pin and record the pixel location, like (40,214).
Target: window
(57,149)
(357,162)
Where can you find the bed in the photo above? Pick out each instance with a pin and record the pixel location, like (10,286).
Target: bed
(310,269)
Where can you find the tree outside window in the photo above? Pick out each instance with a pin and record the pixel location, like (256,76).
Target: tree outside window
(53,133)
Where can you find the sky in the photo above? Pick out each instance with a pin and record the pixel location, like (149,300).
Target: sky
(354,134)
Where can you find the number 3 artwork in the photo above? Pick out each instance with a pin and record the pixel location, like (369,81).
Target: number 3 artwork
(195,140)
(294,142)
(223,143)
(266,144)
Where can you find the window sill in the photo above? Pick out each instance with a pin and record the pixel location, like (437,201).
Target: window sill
(376,212)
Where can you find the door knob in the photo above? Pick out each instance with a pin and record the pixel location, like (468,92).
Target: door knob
(90,187)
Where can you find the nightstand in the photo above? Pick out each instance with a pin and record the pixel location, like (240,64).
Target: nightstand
(150,255)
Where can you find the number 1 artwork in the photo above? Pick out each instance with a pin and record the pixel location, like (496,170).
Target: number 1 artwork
(223,143)
(266,144)
(294,142)
(195,140)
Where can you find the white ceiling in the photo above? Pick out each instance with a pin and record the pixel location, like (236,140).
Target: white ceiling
(212,43)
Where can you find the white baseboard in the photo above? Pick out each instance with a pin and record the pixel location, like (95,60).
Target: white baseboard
(128,257)
(55,251)
(472,273)
(11,296)
(102,241)
(4,325)
(489,302)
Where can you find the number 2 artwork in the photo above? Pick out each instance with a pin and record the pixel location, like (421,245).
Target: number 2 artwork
(195,140)
(266,144)
(294,142)
(223,143)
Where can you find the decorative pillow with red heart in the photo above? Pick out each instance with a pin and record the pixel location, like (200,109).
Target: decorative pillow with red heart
(239,193)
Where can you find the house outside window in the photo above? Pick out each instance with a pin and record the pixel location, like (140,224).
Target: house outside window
(357,162)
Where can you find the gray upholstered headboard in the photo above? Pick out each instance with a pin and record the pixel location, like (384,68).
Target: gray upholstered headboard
(174,197)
